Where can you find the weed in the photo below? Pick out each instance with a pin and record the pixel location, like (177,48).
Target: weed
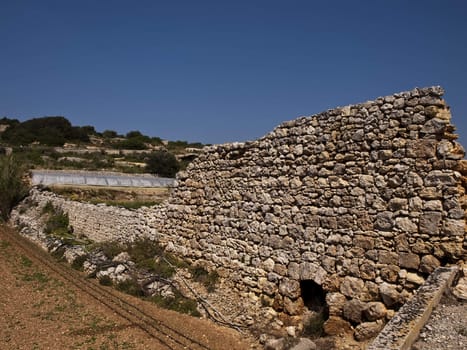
(313,328)
(178,303)
(130,286)
(105,281)
(26,262)
(110,249)
(58,223)
(78,263)
(4,244)
(48,208)
(462,331)
(36,277)
(208,279)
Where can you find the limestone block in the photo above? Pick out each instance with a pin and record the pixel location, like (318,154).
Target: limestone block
(454,227)
(293,307)
(415,278)
(311,271)
(335,302)
(430,222)
(337,326)
(429,263)
(290,288)
(389,294)
(409,260)
(353,310)
(368,330)
(389,273)
(352,287)
(375,311)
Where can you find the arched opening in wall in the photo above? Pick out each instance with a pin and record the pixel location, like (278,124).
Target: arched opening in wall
(317,311)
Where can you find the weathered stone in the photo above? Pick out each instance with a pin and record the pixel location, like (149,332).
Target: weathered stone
(388,258)
(314,272)
(368,330)
(430,222)
(337,326)
(353,310)
(389,294)
(429,263)
(289,288)
(454,227)
(415,278)
(335,303)
(374,311)
(352,286)
(304,344)
(389,273)
(293,307)
(409,260)
(384,221)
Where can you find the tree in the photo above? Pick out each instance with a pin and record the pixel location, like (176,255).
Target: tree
(12,185)
(163,164)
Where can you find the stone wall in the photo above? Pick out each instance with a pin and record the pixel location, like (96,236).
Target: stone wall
(360,202)
(364,201)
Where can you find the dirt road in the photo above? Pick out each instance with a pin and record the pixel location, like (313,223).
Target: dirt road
(47,305)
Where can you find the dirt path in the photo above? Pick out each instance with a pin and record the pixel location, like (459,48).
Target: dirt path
(47,305)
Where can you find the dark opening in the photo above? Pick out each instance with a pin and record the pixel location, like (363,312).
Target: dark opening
(314,297)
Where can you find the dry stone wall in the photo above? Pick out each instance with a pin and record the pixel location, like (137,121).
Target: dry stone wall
(363,200)
(356,204)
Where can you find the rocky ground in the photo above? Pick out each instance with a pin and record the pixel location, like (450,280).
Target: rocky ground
(447,326)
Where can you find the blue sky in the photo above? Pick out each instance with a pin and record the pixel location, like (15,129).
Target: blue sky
(221,71)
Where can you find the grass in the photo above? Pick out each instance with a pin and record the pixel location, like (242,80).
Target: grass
(208,279)
(178,303)
(78,263)
(57,223)
(313,328)
(131,287)
(105,281)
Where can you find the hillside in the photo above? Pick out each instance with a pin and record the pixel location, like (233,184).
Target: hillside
(54,143)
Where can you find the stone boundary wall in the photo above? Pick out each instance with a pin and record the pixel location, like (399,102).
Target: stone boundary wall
(361,202)
(98,222)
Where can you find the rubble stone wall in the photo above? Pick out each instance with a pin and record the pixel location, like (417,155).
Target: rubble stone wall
(362,201)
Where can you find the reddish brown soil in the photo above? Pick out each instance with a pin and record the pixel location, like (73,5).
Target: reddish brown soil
(46,305)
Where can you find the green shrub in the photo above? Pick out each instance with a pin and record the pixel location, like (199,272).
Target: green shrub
(313,328)
(178,303)
(12,186)
(58,223)
(110,249)
(105,281)
(78,263)
(131,287)
(162,163)
(208,279)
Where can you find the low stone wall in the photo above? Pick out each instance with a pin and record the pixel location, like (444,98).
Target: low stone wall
(357,204)
(99,222)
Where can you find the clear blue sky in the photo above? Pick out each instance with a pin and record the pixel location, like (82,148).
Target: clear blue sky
(218,71)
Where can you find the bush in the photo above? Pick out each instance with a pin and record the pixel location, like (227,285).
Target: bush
(208,279)
(178,303)
(58,223)
(163,164)
(12,186)
(130,287)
